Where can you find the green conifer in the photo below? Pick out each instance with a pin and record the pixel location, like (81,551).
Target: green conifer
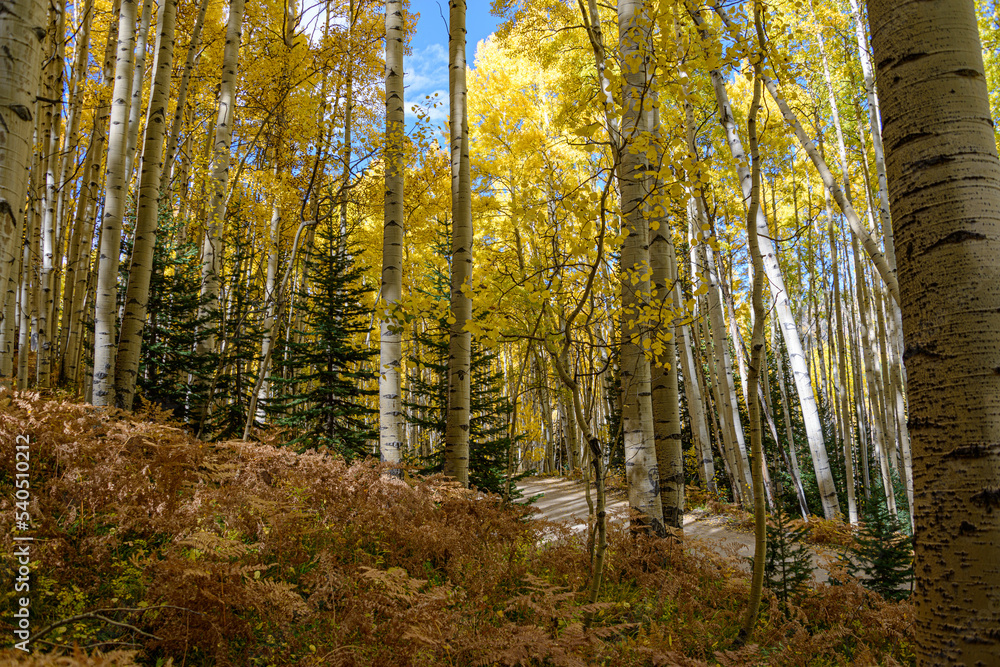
(328,372)
(788,565)
(882,555)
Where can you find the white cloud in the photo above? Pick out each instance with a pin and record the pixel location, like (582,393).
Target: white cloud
(425,73)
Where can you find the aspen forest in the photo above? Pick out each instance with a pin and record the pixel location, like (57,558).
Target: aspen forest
(522,332)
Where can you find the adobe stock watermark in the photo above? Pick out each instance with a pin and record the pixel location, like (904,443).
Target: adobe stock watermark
(22,542)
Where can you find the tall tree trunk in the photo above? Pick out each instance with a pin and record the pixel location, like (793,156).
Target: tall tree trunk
(456,464)
(756,345)
(641,468)
(782,307)
(22,29)
(665,397)
(391,351)
(138,76)
(50,146)
(147,214)
(178,122)
(114,209)
(211,253)
(944,189)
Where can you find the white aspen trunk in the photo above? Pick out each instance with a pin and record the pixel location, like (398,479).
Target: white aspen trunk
(840,378)
(114,208)
(641,468)
(26,305)
(10,312)
(783,311)
(944,189)
(87,210)
(793,457)
(456,464)
(147,214)
(50,164)
(729,383)
(138,76)
(212,251)
(391,351)
(665,397)
(692,391)
(865,335)
(869,243)
(22,29)
(170,151)
(875,127)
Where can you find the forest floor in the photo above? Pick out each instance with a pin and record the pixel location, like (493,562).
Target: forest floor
(150,547)
(564,500)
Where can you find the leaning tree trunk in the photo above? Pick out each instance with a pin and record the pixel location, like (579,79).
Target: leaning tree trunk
(782,307)
(211,253)
(944,189)
(175,127)
(147,214)
(114,208)
(138,76)
(22,29)
(456,446)
(391,351)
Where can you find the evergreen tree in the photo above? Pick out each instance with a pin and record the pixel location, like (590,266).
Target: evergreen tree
(882,556)
(328,374)
(788,566)
(489,433)
(233,379)
(168,360)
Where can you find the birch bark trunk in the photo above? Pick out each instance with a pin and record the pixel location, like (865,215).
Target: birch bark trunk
(178,122)
(783,311)
(147,213)
(102,393)
(944,189)
(390,357)
(456,464)
(22,30)
(138,77)
(641,468)
(211,254)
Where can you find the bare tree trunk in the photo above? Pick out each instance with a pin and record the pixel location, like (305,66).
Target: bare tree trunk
(175,129)
(114,209)
(390,406)
(22,29)
(782,307)
(456,464)
(211,253)
(138,76)
(944,188)
(147,214)
(637,411)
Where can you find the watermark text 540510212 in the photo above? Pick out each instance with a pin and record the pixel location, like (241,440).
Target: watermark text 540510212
(22,543)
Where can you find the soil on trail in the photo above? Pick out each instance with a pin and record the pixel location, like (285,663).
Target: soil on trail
(564,500)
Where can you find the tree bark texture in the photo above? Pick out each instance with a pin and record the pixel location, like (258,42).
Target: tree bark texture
(944,190)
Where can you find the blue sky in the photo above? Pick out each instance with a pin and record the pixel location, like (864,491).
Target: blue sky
(426,69)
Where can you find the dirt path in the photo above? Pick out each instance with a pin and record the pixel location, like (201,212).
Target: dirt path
(564,500)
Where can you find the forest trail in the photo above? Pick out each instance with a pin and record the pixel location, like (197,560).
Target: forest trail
(564,501)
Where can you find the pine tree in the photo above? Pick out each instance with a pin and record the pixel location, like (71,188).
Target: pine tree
(330,374)
(788,566)
(233,378)
(882,556)
(167,361)
(489,433)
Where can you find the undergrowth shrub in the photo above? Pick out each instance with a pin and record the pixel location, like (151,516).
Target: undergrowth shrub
(240,553)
